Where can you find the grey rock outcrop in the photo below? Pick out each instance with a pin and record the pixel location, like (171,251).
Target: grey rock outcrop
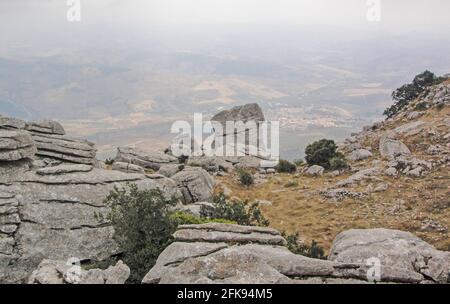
(391,148)
(46,126)
(146,159)
(315,170)
(245,113)
(220,253)
(400,251)
(195,184)
(16,145)
(359,154)
(127,167)
(63,272)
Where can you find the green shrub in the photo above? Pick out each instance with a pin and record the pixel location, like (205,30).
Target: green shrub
(245,178)
(321,152)
(338,163)
(313,251)
(299,162)
(285,166)
(237,212)
(421,106)
(142,226)
(409,92)
(183,218)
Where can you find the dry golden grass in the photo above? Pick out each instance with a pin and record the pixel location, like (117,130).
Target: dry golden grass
(304,210)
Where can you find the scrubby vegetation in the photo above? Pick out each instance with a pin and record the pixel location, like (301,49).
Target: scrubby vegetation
(237,211)
(313,251)
(409,92)
(245,178)
(144,221)
(142,226)
(285,166)
(324,153)
(299,162)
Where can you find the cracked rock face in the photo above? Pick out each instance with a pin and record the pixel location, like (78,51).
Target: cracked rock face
(195,184)
(224,253)
(395,249)
(16,145)
(56,216)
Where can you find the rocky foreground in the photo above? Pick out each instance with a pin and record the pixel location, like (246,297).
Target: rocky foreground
(52,189)
(224,253)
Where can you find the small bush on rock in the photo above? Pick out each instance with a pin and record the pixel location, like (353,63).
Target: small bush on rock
(238,212)
(295,246)
(245,178)
(338,163)
(285,166)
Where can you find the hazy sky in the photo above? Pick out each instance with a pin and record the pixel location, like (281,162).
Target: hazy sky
(396,15)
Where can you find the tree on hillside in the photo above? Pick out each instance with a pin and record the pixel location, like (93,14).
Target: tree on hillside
(322,152)
(409,92)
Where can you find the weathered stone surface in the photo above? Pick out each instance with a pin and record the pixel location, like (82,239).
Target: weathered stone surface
(16,145)
(248,112)
(390,148)
(146,159)
(11,123)
(411,128)
(62,272)
(207,261)
(178,252)
(127,167)
(64,148)
(195,184)
(395,249)
(315,170)
(47,127)
(228,234)
(170,170)
(359,154)
(60,215)
(211,163)
(64,169)
(359,176)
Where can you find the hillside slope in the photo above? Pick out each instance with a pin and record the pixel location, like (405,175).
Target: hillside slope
(403,183)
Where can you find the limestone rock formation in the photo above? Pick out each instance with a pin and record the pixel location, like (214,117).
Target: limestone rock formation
(16,145)
(195,184)
(400,251)
(315,170)
(63,272)
(223,253)
(145,159)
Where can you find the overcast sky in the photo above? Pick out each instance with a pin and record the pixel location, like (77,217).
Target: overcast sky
(396,15)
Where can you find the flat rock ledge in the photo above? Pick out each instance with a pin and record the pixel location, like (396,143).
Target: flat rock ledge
(226,253)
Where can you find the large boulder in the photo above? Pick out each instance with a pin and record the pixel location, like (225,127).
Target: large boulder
(46,127)
(225,253)
(66,272)
(359,154)
(146,159)
(16,145)
(62,215)
(245,113)
(196,184)
(395,249)
(315,170)
(391,148)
